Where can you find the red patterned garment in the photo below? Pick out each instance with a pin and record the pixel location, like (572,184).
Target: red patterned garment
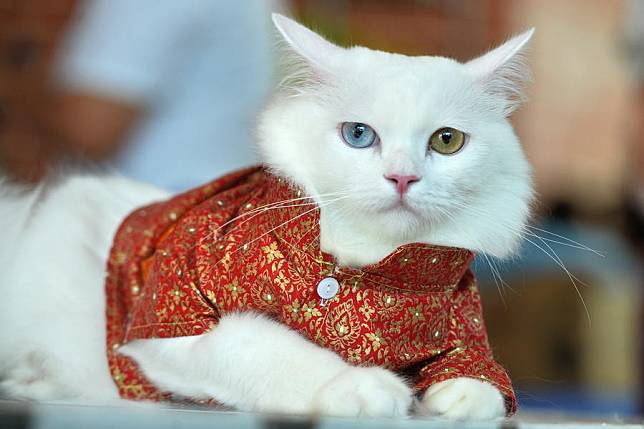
(177,266)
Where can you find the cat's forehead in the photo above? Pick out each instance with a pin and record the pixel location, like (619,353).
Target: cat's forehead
(402,89)
(385,62)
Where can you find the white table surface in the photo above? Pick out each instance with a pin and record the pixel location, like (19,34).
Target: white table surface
(69,416)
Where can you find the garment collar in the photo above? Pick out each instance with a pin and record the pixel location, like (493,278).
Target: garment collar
(295,222)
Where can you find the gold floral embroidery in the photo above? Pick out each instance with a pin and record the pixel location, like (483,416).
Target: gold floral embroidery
(310,311)
(271,252)
(376,339)
(235,289)
(281,280)
(417,313)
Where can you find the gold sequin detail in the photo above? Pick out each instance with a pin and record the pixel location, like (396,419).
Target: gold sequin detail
(120,258)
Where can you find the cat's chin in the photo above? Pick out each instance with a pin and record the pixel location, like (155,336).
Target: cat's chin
(368,238)
(401,206)
(404,222)
(400,222)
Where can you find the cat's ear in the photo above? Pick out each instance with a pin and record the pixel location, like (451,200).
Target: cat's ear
(308,44)
(504,71)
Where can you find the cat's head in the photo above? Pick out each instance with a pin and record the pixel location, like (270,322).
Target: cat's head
(420,148)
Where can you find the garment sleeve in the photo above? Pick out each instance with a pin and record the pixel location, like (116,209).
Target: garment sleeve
(128,49)
(468,353)
(473,363)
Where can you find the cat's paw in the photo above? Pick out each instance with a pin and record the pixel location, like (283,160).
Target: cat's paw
(365,392)
(463,399)
(24,384)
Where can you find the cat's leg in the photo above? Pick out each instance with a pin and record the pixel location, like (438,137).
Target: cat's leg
(253,363)
(463,398)
(40,376)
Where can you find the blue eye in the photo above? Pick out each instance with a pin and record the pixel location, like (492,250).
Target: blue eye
(358,135)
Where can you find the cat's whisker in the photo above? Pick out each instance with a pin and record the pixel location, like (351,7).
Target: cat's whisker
(524,232)
(572,242)
(308,246)
(315,239)
(252,213)
(570,276)
(554,257)
(241,246)
(279,203)
(495,275)
(505,284)
(573,246)
(499,282)
(288,201)
(263,209)
(552,254)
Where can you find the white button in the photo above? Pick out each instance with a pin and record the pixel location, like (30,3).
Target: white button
(328,288)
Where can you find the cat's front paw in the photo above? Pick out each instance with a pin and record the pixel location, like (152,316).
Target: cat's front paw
(463,399)
(368,392)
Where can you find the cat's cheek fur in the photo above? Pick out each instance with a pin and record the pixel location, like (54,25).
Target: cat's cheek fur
(253,363)
(463,398)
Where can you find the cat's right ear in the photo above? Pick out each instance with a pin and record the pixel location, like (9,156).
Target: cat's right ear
(504,71)
(308,44)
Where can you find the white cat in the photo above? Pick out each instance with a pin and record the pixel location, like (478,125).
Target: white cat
(367,123)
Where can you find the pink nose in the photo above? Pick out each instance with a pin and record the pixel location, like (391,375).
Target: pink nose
(402,182)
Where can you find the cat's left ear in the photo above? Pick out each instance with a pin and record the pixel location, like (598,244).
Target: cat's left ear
(503,71)
(318,51)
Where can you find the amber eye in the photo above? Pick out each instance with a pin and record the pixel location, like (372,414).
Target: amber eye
(447,141)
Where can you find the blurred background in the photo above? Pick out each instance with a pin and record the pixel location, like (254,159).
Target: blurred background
(167,92)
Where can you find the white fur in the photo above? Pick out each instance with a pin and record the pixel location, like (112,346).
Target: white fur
(52,329)
(255,364)
(463,399)
(52,324)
